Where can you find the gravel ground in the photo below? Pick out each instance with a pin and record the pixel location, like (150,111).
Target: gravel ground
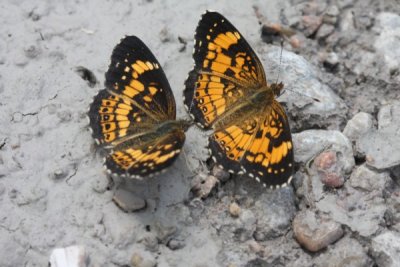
(341,72)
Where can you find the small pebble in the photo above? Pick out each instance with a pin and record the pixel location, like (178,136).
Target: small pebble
(150,241)
(138,261)
(202,185)
(175,244)
(13,193)
(332,180)
(324,31)
(164,232)
(85,74)
(358,125)
(325,161)
(255,246)
(64,115)
(127,201)
(59,174)
(331,14)
(234,209)
(100,185)
(220,173)
(311,24)
(328,169)
(315,233)
(17,117)
(331,60)
(165,35)
(74,256)
(32,51)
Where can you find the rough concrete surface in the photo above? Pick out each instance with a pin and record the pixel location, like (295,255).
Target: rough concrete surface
(342,60)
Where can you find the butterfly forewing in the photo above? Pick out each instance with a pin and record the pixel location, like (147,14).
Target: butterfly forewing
(135,73)
(226,69)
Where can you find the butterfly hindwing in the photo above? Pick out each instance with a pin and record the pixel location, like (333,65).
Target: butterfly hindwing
(226,69)
(139,161)
(228,144)
(269,158)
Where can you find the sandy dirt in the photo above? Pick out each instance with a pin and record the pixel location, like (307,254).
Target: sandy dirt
(54,192)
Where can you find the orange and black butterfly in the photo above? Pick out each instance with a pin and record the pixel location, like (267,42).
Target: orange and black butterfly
(227,91)
(134,117)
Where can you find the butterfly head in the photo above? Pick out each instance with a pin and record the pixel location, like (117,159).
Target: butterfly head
(277,88)
(185,124)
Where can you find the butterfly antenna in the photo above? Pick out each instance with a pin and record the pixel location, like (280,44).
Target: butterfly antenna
(304,95)
(280,62)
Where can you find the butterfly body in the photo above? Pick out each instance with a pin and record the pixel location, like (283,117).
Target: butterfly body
(227,91)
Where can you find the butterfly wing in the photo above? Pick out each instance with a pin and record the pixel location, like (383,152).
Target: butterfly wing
(135,73)
(260,147)
(137,94)
(140,161)
(226,69)
(269,157)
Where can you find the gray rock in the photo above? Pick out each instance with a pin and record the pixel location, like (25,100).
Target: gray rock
(128,201)
(307,99)
(347,253)
(150,241)
(367,180)
(389,117)
(175,244)
(315,232)
(276,219)
(308,144)
(164,232)
(386,248)
(388,27)
(346,22)
(363,212)
(245,226)
(381,149)
(331,14)
(324,31)
(360,124)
